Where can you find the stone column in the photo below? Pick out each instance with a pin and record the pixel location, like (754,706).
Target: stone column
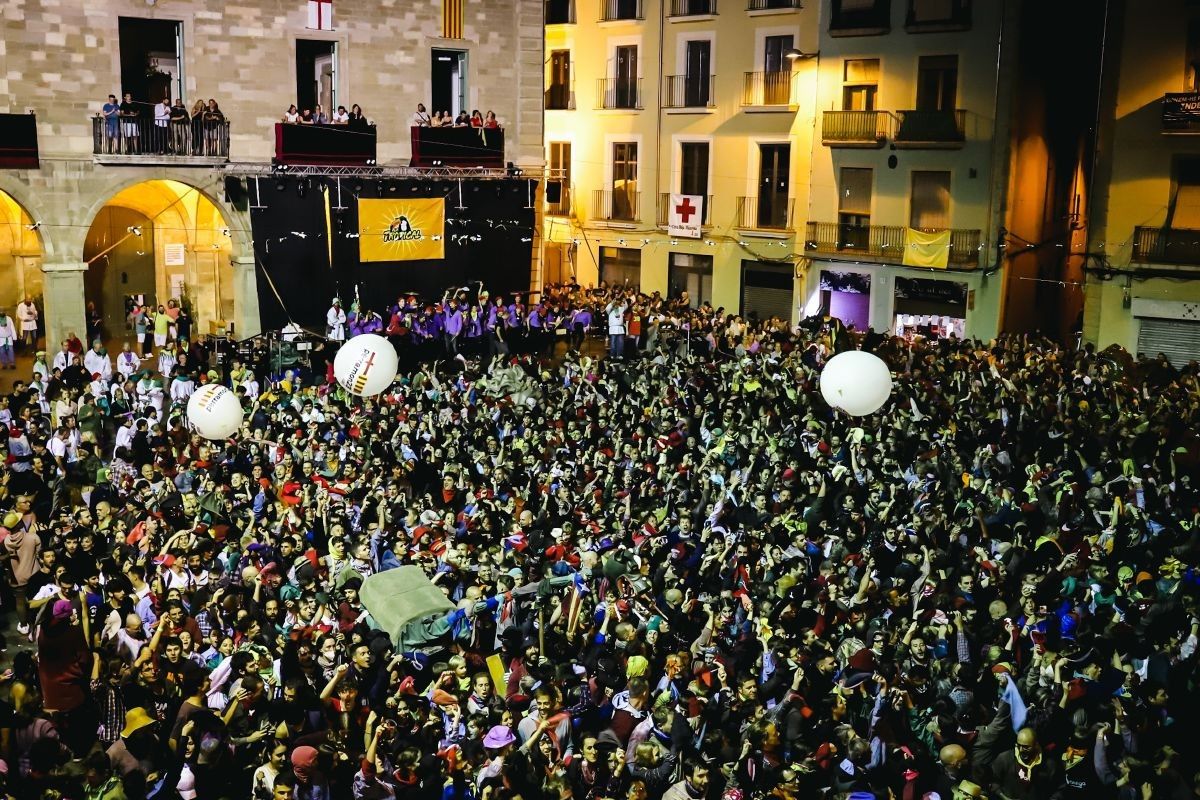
(245,298)
(62,293)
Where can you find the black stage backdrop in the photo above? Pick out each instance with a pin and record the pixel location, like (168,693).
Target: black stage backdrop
(488,239)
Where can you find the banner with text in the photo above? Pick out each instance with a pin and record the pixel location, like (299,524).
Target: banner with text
(686,214)
(401,230)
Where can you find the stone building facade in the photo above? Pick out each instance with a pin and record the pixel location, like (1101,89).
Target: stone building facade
(60,59)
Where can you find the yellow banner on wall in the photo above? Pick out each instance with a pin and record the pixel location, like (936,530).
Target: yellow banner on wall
(926,249)
(401,230)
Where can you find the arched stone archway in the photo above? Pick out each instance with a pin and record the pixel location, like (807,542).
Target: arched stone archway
(21,255)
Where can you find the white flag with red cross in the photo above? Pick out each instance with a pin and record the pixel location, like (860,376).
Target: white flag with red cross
(685,215)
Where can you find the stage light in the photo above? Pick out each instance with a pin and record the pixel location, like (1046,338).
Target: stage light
(281,184)
(358,187)
(393,187)
(302,187)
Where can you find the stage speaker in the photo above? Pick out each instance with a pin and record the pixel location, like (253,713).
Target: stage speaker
(235,193)
(554,191)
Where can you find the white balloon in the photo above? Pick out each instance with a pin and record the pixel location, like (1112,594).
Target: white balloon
(856,382)
(366,365)
(214,412)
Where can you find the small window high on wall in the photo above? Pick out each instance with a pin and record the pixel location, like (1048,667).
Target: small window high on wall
(320,15)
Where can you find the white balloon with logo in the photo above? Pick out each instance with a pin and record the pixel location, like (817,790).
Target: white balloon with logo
(366,365)
(855,382)
(214,412)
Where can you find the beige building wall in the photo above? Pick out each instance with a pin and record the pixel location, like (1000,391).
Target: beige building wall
(731,126)
(977,167)
(1148,57)
(735,126)
(61,58)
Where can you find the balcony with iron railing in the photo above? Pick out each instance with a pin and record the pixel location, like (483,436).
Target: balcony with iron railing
(856,128)
(884,242)
(1166,246)
(765,213)
(616,205)
(560,97)
(938,16)
(614,10)
(563,207)
(692,8)
(664,210)
(560,12)
(689,91)
(773,5)
(768,90)
(619,93)
(860,21)
(931,130)
(197,142)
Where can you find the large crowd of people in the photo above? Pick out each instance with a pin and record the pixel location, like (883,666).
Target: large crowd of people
(675,571)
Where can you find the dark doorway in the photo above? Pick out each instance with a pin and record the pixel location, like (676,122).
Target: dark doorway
(699,67)
(448,74)
(125,270)
(625,73)
(558,96)
(151,59)
(316,75)
(773,181)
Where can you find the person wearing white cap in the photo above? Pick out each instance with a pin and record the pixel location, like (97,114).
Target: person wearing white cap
(335,321)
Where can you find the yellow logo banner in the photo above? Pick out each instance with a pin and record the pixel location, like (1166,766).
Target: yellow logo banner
(923,249)
(401,230)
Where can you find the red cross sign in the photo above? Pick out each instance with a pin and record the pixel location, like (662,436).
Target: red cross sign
(685,210)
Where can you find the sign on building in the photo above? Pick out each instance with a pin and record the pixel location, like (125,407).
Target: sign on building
(686,215)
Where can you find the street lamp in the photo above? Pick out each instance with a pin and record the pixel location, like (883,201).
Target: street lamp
(795,55)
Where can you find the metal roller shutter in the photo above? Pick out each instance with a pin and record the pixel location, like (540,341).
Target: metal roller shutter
(1179,341)
(767,290)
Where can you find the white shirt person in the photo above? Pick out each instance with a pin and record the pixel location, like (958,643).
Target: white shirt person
(335,322)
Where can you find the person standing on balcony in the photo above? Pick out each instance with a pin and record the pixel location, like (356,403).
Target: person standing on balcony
(340,117)
(130,113)
(198,127)
(180,128)
(112,131)
(162,118)
(358,120)
(214,122)
(421,118)
(27,315)
(318,116)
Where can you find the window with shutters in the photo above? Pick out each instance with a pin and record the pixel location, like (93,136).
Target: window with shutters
(320,15)
(929,204)
(854,207)
(937,83)
(452,18)
(860,84)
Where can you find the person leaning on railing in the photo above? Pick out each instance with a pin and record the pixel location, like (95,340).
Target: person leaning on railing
(214,121)
(180,128)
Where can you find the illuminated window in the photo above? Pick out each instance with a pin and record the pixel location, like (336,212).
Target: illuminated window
(320,15)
